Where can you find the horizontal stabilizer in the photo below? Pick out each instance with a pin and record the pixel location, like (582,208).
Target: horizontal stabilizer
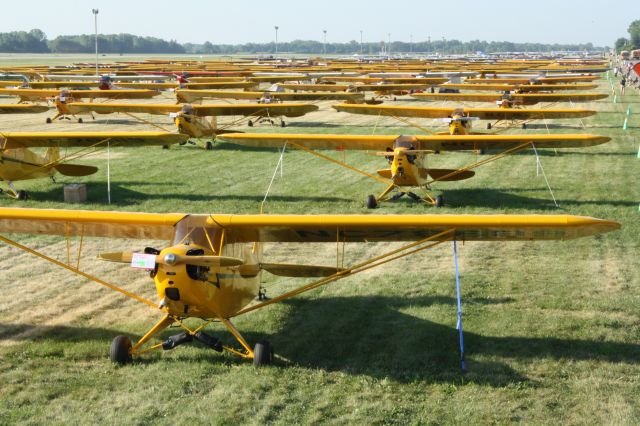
(286,270)
(449,174)
(75,169)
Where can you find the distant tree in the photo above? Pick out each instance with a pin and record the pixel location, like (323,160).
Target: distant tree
(634,34)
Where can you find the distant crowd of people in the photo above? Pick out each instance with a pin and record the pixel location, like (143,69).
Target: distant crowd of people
(628,76)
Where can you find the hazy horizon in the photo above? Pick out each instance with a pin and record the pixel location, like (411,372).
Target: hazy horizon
(540,21)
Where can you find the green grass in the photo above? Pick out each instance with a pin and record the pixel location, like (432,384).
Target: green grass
(551,328)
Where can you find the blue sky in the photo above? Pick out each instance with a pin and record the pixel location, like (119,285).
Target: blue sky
(232,22)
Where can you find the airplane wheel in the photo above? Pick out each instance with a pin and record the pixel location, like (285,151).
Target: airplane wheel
(439,201)
(22,195)
(208,145)
(283,124)
(262,354)
(48,121)
(524,125)
(250,123)
(80,120)
(119,351)
(372,203)
(488,126)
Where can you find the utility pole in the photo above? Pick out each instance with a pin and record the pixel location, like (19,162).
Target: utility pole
(95,25)
(277,28)
(389,45)
(410,43)
(324,45)
(361,42)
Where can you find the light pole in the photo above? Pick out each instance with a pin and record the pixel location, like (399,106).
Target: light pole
(389,45)
(324,45)
(410,43)
(361,42)
(95,25)
(277,28)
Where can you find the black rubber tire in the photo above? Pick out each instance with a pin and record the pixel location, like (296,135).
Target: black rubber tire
(165,146)
(208,145)
(372,203)
(80,120)
(262,354)
(119,351)
(488,126)
(22,195)
(283,124)
(250,123)
(524,125)
(439,201)
(48,120)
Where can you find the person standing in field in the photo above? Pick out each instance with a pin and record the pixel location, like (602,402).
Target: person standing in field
(623,83)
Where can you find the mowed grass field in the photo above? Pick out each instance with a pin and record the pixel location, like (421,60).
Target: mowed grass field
(551,328)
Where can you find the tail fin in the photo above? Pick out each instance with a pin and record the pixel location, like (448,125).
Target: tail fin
(52,155)
(75,169)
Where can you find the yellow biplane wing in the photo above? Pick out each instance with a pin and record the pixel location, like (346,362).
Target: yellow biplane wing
(22,108)
(39,94)
(527,99)
(188,96)
(482,113)
(520,87)
(304,228)
(275,109)
(13,140)
(421,142)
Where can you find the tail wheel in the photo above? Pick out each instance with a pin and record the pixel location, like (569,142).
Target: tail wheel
(262,354)
(488,126)
(372,203)
(524,125)
(120,351)
(80,120)
(250,123)
(283,124)
(48,120)
(439,201)
(165,146)
(22,195)
(208,145)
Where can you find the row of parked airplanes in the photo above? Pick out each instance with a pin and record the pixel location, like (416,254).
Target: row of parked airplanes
(211,268)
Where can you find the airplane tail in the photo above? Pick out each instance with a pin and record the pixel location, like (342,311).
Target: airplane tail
(443,174)
(75,169)
(52,154)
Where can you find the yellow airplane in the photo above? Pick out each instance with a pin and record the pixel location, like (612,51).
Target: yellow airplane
(536,80)
(460,118)
(518,88)
(36,95)
(211,268)
(190,96)
(510,99)
(189,118)
(18,162)
(406,155)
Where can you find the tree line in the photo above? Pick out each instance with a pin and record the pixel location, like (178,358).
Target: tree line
(631,43)
(35,41)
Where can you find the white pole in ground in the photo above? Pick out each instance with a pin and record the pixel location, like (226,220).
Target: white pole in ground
(95,25)
(108,173)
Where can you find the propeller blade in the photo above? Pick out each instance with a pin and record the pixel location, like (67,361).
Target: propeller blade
(286,270)
(219,261)
(119,256)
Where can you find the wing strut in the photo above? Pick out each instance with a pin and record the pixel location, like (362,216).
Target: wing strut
(459,302)
(398,253)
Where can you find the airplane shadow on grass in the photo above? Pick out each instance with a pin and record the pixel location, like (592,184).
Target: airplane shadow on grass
(506,198)
(368,336)
(121,195)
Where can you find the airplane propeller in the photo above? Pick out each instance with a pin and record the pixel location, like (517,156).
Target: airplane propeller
(173,259)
